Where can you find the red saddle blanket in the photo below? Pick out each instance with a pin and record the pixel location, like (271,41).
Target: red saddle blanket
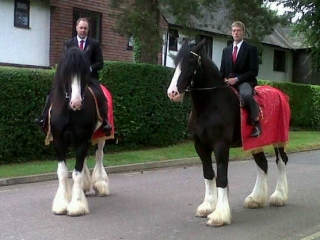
(98,133)
(274,119)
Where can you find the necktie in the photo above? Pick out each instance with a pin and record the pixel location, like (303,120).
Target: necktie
(234,54)
(81,44)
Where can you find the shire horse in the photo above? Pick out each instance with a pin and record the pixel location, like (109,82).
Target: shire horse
(72,122)
(215,124)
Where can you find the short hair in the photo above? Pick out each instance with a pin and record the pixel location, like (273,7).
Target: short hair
(239,24)
(83,19)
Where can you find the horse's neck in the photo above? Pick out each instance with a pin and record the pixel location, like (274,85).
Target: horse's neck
(208,88)
(209,75)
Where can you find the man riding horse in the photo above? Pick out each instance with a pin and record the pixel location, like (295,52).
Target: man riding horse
(240,67)
(93,51)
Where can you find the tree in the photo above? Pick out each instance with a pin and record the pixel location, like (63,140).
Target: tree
(307,19)
(140,19)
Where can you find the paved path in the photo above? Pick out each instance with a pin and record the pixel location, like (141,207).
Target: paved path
(160,205)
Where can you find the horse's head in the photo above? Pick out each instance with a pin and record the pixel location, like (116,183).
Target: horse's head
(187,62)
(72,76)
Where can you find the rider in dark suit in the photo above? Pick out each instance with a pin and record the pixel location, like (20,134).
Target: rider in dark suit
(93,51)
(240,68)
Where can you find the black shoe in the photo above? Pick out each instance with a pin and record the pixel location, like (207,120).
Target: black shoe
(106,128)
(256,132)
(40,121)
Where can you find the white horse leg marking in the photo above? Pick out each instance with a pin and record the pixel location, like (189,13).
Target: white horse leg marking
(86,178)
(78,205)
(259,193)
(280,195)
(75,98)
(100,179)
(210,199)
(222,214)
(172,91)
(63,195)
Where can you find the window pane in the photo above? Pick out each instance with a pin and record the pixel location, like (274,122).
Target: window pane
(279,60)
(21,13)
(173,39)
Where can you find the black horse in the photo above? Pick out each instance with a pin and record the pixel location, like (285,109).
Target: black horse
(215,125)
(72,121)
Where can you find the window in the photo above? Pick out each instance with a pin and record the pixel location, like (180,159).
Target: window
(279,61)
(22,13)
(130,43)
(95,19)
(173,40)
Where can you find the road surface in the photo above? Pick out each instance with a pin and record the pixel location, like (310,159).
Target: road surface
(161,204)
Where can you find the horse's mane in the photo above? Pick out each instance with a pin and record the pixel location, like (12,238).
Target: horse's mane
(184,55)
(73,62)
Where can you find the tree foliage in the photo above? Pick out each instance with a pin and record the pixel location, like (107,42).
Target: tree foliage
(306,17)
(141,19)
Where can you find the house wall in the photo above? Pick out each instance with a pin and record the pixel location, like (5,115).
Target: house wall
(218,44)
(266,71)
(25,46)
(114,46)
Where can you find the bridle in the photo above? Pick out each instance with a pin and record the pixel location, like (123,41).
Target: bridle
(190,87)
(67,95)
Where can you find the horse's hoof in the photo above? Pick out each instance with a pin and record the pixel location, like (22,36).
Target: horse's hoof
(77,209)
(77,213)
(277,202)
(101,188)
(204,209)
(219,218)
(212,223)
(252,204)
(60,212)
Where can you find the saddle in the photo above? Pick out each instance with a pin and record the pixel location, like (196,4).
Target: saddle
(98,134)
(242,103)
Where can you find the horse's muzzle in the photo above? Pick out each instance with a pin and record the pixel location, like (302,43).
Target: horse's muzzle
(75,105)
(175,96)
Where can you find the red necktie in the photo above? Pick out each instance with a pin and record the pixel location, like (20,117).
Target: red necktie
(234,54)
(81,44)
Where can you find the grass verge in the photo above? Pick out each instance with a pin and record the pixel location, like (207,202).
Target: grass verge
(299,141)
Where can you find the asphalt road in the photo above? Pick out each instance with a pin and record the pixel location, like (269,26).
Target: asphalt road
(161,204)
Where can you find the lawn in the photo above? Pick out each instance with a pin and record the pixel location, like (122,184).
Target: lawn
(299,141)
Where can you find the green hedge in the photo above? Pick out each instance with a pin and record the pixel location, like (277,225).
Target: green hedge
(304,102)
(22,94)
(144,116)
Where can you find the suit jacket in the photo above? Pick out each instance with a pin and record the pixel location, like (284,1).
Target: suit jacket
(245,68)
(93,51)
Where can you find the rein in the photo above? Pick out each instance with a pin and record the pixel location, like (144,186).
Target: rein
(190,88)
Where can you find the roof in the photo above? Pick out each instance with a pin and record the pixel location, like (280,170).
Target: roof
(284,37)
(218,23)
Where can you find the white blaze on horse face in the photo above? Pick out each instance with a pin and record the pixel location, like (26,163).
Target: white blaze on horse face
(172,91)
(75,101)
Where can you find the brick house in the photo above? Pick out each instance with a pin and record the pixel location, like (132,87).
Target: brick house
(36,30)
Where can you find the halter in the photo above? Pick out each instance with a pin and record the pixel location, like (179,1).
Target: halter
(190,88)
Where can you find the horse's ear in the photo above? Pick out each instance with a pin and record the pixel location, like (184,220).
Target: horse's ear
(184,41)
(203,42)
(200,45)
